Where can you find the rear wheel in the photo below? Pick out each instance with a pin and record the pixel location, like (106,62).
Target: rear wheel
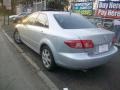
(16,37)
(47,58)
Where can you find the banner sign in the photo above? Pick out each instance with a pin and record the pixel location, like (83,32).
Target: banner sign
(108,9)
(84,8)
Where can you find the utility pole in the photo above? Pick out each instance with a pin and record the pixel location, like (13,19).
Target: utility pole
(3,13)
(45,4)
(36,4)
(2,2)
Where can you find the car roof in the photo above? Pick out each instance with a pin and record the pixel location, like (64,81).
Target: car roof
(53,12)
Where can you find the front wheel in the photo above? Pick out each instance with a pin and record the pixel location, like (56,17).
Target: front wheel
(16,37)
(47,58)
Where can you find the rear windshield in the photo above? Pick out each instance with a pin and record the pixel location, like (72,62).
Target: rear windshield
(73,21)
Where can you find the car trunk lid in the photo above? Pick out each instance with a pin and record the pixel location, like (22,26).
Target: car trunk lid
(102,39)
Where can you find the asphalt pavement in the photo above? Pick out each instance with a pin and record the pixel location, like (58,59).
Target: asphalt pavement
(15,72)
(106,77)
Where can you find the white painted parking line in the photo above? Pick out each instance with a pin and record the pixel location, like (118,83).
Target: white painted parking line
(22,52)
(31,61)
(41,74)
(47,80)
(1,38)
(18,48)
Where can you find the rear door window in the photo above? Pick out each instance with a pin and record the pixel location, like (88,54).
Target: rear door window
(42,20)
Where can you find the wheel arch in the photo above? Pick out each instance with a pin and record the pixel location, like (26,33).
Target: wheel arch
(46,42)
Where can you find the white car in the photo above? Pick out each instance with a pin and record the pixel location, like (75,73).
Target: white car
(66,39)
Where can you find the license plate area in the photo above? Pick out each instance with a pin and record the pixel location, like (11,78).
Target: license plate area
(103,48)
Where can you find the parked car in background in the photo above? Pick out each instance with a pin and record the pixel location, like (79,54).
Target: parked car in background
(15,18)
(66,39)
(12,16)
(107,23)
(20,16)
(97,21)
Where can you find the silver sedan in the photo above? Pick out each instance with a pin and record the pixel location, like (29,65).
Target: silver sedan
(65,39)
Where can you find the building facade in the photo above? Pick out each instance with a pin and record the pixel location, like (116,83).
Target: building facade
(30,5)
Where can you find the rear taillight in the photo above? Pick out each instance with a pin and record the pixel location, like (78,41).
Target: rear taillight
(79,43)
(114,40)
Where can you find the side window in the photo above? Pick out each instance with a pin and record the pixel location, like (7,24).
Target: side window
(31,19)
(42,20)
(24,21)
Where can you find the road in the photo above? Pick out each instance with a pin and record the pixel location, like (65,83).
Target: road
(106,77)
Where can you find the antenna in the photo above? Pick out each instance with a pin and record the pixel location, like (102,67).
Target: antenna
(70,7)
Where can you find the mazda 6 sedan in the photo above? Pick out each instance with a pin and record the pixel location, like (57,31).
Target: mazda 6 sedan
(65,39)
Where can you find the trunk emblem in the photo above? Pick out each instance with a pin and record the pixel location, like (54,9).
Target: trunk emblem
(105,38)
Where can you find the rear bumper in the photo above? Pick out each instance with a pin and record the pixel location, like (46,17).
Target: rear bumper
(83,60)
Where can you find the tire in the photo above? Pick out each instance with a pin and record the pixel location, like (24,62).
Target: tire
(16,37)
(47,58)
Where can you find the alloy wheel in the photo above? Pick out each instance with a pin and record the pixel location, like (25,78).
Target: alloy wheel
(46,58)
(17,37)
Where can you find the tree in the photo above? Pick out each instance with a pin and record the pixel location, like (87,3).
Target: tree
(1,1)
(26,1)
(57,4)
